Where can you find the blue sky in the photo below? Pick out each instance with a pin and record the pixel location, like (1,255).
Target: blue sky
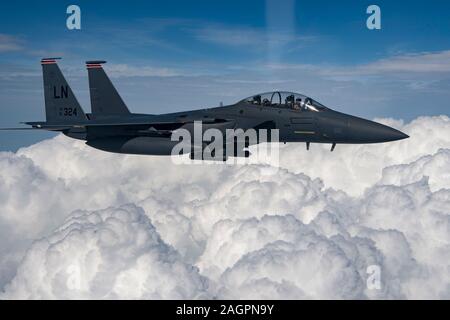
(172,55)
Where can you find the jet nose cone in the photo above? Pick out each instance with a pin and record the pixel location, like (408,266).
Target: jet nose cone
(384,133)
(399,135)
(372,132)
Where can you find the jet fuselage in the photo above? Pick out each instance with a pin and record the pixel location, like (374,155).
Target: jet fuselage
(112,127)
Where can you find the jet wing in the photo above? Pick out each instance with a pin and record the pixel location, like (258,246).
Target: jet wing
(139,127)
(39,125)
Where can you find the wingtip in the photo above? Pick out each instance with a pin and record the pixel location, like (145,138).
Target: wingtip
(52,59)
(45,61)
(95,62)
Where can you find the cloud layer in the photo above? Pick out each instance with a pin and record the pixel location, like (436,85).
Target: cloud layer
(80,223)
(111,253)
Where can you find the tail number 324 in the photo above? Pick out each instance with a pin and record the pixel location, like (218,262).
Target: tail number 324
(67,112)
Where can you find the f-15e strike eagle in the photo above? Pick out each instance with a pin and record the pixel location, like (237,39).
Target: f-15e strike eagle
(112,127)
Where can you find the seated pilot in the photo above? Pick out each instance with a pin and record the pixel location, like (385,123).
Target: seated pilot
(257,100)
(298,104)
(266,102)
(289,101)
(308,102)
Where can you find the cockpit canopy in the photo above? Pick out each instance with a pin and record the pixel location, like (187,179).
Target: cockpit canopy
(284,99)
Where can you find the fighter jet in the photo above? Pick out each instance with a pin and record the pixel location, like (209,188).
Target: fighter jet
(112,127)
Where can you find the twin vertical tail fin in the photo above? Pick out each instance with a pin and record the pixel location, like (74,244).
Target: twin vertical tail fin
(61,105)
(105,100)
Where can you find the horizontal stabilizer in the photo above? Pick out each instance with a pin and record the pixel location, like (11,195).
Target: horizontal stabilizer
(11,129)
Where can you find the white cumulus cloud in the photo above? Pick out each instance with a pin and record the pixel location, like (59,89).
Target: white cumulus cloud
(109,253)
(308,230)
